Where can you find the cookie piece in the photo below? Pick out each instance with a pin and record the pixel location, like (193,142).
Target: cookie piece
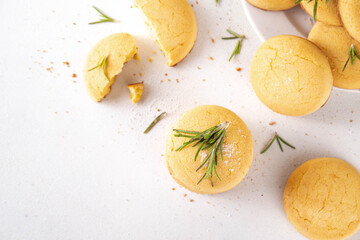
(322,199)
(115,50)
(291,75)
(237,151)
(349,13)
(335,42)
(172,24)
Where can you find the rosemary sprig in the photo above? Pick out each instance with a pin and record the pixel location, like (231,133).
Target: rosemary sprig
(316,3)
(239,43)
(352,55)
(153,123)
(102,64)
(211,140)
(279,140)
(105,18)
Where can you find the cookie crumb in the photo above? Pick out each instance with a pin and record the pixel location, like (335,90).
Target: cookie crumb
(238,69)
(173,189)
(191,200)
(212,40)
(67,64)
(211,58)
(272,123)
(74,75)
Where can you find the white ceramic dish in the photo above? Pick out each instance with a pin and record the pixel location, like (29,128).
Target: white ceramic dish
(268,24)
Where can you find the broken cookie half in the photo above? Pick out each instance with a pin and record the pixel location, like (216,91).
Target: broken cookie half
(172,24)
(105,61)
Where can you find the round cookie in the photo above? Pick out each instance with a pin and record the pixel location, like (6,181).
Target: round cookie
(326,12)
(237,150)
(349,11)
(335,42)
(322,199)
(291,75)
(273,5)
(172,24)
(116,49)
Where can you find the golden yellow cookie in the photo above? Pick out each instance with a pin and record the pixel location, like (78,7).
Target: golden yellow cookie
(326,12)
(349,13)
(335,42)
(322,199)
(291,76)
(105,61)
(172,25)
(237,150)
(273,5)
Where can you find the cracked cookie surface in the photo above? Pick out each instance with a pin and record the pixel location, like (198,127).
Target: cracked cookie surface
(291,75)
(322,199)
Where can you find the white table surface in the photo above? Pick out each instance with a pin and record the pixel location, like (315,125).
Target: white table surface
(71,168)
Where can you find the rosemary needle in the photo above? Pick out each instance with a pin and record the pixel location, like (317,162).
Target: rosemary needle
(153,123)
(236,50)
(105,18)
(103,64)
(279,140)
(239,43)
(352,55)
(211,140)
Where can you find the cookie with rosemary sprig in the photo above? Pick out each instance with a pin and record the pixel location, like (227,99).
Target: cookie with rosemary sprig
(273,5)
(209,150)
(325,11)
(105,61)
(337,45)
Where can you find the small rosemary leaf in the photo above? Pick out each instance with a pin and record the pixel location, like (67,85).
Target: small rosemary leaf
(278,141)
(236,50)
(286,143)
(352,56)
(105,18)
(315,10)
(235,34)
(103,64)
(268,146)
(229,38)
(104,67)
(203,164)
(153,123)
(198,151)
(216,174)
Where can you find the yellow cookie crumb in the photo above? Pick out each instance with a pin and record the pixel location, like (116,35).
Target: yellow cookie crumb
(136,91)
